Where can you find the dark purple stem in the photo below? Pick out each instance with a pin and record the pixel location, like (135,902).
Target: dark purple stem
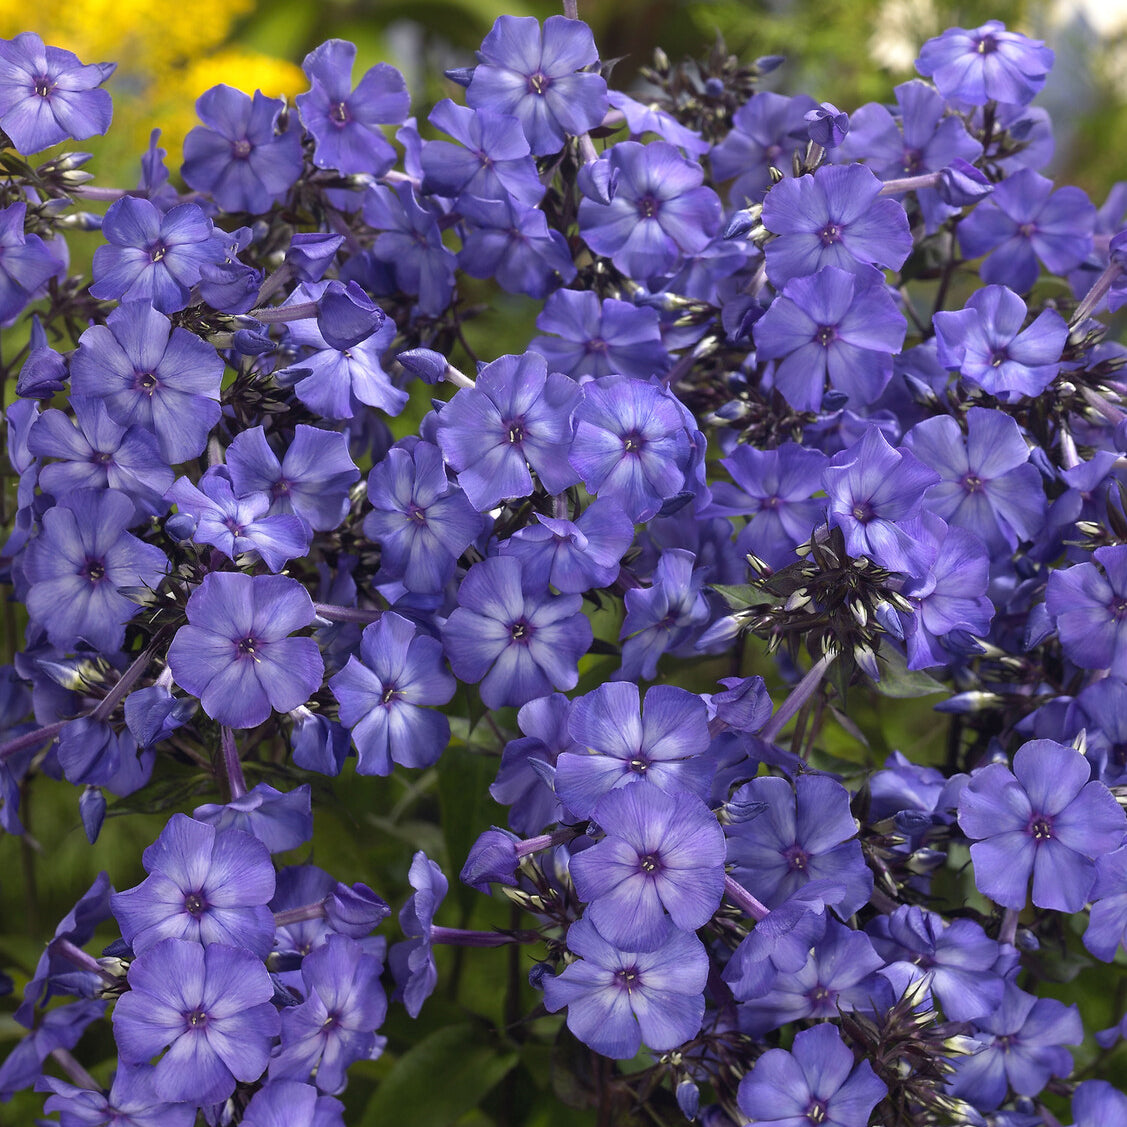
(459,937)
(81,1078)
(346,614)
(84,961)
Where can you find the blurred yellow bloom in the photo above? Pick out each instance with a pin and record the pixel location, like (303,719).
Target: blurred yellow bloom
(167,55)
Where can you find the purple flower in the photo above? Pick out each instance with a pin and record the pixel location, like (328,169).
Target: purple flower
(1089,606)
(598,338)
(491,161)
(622,743)
(665,616)
(239,156)
(631,444)
(1025,222)
(517,418)
(78,562)
(345,123)
(94,452)
(47,95)
(1107,924)
(573,556)
(288,1103)
(817,1082)
(422,521)
(26,263)
(986,64)
(382,695)
(513,244)
(1047,818)
(410,244)
(833,218)
(660,213)
(334,382)
(518,641)
(837,976)
(767,130)
(661,853)
(1095,1103)
(530,73)
(153,256)
(335,1025)
(312,479)
(412,962)
(873,490)
(210,1006)
(958,958)
(150,374)
(775,488)
(642,118)
(923,138)
(61,1028)
(205,885)
(618,1000)
(527,764)
(238,525)
(951,596)
(130,1102)
(235,653)
(987,483)
(829,327)
(1022,1046)
(802,835)
(281,820)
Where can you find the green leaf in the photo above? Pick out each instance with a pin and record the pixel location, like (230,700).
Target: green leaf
(440,1079)
(897,680)
(467,809)
(743,596)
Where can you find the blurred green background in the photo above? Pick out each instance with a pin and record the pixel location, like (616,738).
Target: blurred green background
(845,51)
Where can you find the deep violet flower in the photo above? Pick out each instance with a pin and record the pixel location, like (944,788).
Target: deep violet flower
(345,123)
(412,962)
(1088,605)
(239,156)
(986,343)
(519,641)
(831,327)
(235,653)
(281,820)
(660,213)
(816,1082)
(531,73)
(515,419)
(130,1102)
(148,373)
(662,853)
(833,218)
(289,1103)
(211,1006)
(47,95)
(78,562)
(618,1000)
(153,256)
(26,264)
(204,885)
(382,694)
(1047,818)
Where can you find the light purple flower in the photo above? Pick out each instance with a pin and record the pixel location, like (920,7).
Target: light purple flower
(531,73)
(47,95)
(235,653)
(661,853)
(1047,819)
(618,1000)
(205,885)
(210,1006)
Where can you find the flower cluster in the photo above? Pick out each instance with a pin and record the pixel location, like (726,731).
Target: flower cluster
(762,402)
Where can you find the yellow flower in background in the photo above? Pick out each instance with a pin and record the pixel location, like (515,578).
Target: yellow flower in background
(167,56)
